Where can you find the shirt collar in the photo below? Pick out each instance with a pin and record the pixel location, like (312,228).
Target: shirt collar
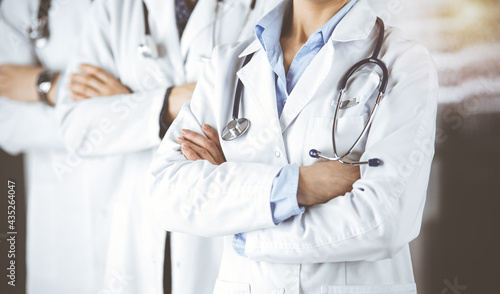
(268,29)
(327,29)
(356,24)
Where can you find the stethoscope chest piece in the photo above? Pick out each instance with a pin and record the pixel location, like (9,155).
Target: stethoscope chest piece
(148,49)
(235,128)
(39,33)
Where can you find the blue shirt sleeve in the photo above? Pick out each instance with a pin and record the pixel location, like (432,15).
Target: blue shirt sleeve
(284,194)
(283,202)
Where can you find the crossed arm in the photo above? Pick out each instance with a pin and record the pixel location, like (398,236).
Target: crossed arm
(318,183)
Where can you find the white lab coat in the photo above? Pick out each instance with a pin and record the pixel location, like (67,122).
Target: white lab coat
(61,218)
(356,243)
(123,130)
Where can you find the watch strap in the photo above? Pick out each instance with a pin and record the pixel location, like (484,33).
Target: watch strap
(44,84)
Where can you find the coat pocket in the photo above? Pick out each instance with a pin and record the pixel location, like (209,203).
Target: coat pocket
(225,287)
(371,289)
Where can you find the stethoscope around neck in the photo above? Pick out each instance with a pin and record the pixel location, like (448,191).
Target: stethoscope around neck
(238,126)
(39,32)
(148,48)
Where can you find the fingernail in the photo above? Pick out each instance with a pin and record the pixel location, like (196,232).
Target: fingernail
(183,132)
(179,140)
(206,127)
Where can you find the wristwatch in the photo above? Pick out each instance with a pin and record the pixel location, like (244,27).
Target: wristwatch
(44,84)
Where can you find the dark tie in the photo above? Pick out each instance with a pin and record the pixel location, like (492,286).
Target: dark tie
(182,14)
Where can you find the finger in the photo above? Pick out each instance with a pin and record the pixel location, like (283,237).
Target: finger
(189,154)
(202,142)
(77,97)
(82,90)
(97,72)
(212,134)
(200,152)
(88,80)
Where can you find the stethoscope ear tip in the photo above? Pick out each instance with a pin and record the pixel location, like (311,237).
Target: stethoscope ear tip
(375,162)
(314,153)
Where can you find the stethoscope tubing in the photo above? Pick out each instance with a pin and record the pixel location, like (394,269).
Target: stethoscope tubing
(382,88)
(39,32)
(354,68)
(239,90)
(363,132)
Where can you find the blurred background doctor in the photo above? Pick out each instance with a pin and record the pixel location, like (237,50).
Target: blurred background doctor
(38,37)
(156,49)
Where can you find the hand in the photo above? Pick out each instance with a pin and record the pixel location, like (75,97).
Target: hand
(323,181)
(178,96)
(94,82)
(196,147)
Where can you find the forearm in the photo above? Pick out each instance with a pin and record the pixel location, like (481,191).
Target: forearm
(362,225)
(200,198)
(111,125)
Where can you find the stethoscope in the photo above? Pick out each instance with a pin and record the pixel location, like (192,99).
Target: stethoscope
(39,32)
(238,126)
(148,49)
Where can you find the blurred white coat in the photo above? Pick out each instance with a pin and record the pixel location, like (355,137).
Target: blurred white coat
(122,131)
(63,217)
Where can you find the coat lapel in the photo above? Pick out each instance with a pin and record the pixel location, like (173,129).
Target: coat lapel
(259,83)
(306,87)
(164,31)
(204,16)
(258,79)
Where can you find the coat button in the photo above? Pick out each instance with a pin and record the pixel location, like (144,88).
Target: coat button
(277,154)
(281,291)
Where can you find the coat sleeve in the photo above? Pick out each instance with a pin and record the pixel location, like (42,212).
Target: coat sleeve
(24,126)
(27,126)
(107,125)
(383,212)
(199,198)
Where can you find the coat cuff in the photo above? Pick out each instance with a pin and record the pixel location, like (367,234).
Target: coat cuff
(163,125)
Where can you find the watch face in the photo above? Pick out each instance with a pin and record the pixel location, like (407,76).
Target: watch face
(45,87)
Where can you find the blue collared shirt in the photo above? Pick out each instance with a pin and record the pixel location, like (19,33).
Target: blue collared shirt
(268,30)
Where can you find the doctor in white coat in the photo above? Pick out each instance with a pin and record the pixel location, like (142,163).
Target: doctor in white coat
(345,232)
(122,132)
(63,218)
